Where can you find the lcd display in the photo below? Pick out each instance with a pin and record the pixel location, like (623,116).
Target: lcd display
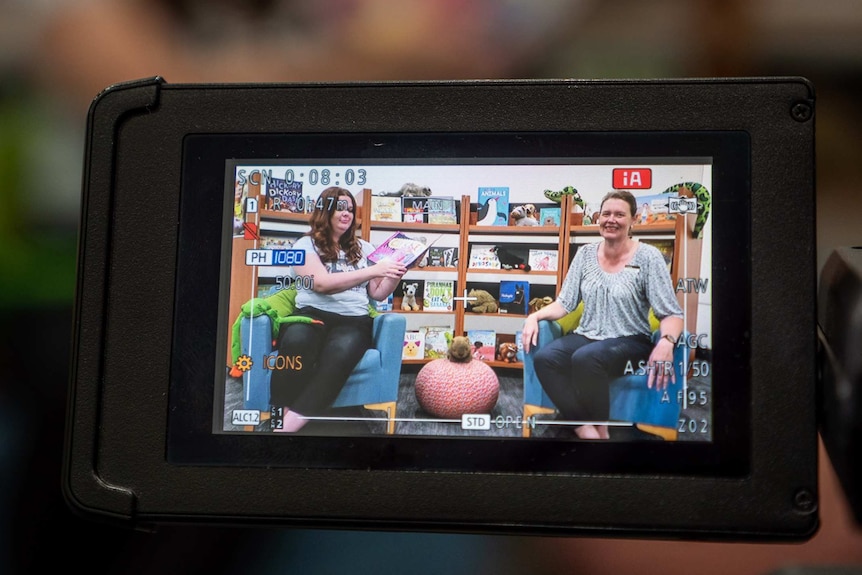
(616,251)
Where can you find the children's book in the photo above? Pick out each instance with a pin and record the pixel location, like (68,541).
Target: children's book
(276,242)
(385,209)
(414,210)
(481,257)
(437,340)
(484,342)
(284,196)
(549,217)
(400,247)
(442,210)
(665,247)
(443,257)
(543,260)
(515,297)
(438,294)
(385,305)
(493,206)
(414,345)
(519,344)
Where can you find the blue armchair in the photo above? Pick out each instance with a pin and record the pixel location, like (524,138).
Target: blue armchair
(373,383)
(630,399)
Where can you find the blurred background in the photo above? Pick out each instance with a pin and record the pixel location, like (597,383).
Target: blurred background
(56,55)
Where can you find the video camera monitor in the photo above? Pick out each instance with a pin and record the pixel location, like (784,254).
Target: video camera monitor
(247,351)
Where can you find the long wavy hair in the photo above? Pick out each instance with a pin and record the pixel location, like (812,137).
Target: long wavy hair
(321,227)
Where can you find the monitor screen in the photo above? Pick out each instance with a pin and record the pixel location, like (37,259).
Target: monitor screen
(551,292)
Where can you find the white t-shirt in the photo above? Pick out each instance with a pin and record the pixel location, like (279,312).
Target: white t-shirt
(353,301)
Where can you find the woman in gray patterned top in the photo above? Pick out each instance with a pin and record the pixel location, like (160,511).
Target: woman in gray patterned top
(344,281)
(619,280)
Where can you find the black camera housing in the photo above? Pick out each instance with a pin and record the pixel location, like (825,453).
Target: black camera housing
(150,266)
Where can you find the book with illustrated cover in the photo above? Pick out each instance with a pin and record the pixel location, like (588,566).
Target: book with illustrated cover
(443,257)
(437,295)
(493,206)
(442,211)
(653,209)
(414,210)
(515,296)
(484,342)
(437,340)
(549,217)
(414,345)
(481,257)
(385,305)
(385,209)
(276,242)
(519,345)
(400,247)
(284,196)
(665,247)
(543,260)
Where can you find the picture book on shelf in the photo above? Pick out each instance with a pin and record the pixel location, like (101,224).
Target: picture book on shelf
(443,257)
(437,295)
(484,342)
(284,196)
(442,210)
(385,305)
(385,209)
(515,296)
(543,260)
(414,345)
(519,345)
(652,209)
(437,340)
(400,247)
(481,257)
(493,206)
(414,209)
(276,242)
(665,247)
(549,217)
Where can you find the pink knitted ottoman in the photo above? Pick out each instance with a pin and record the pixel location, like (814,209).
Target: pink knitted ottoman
(449,390)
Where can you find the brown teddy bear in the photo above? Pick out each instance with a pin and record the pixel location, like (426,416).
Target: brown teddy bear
(507,352)
(538,303)
(484,302)
(460,350)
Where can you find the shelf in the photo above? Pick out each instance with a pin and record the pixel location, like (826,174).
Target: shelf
(409,227)
(284,216)
(517,230)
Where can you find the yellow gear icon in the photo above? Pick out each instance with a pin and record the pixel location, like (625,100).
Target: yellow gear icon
(244,363)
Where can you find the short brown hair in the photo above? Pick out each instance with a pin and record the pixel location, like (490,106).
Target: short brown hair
(623,195)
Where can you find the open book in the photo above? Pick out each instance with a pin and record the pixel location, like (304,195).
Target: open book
(400,247)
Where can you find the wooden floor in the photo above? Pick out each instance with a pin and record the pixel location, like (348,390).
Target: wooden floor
(412,420)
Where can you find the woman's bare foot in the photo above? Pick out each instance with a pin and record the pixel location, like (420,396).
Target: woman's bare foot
(593,432)
(291,422)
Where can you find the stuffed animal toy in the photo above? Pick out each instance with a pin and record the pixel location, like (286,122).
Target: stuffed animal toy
(409,301)
(557,196)
(525,215)
(484,302)
(507,352)
(509,260)
(410,190)
(538,303)
(460,350)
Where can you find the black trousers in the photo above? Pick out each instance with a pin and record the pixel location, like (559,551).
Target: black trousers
(575,372)
(327,355)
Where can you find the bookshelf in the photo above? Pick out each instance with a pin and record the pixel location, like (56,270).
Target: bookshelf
(466,235)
